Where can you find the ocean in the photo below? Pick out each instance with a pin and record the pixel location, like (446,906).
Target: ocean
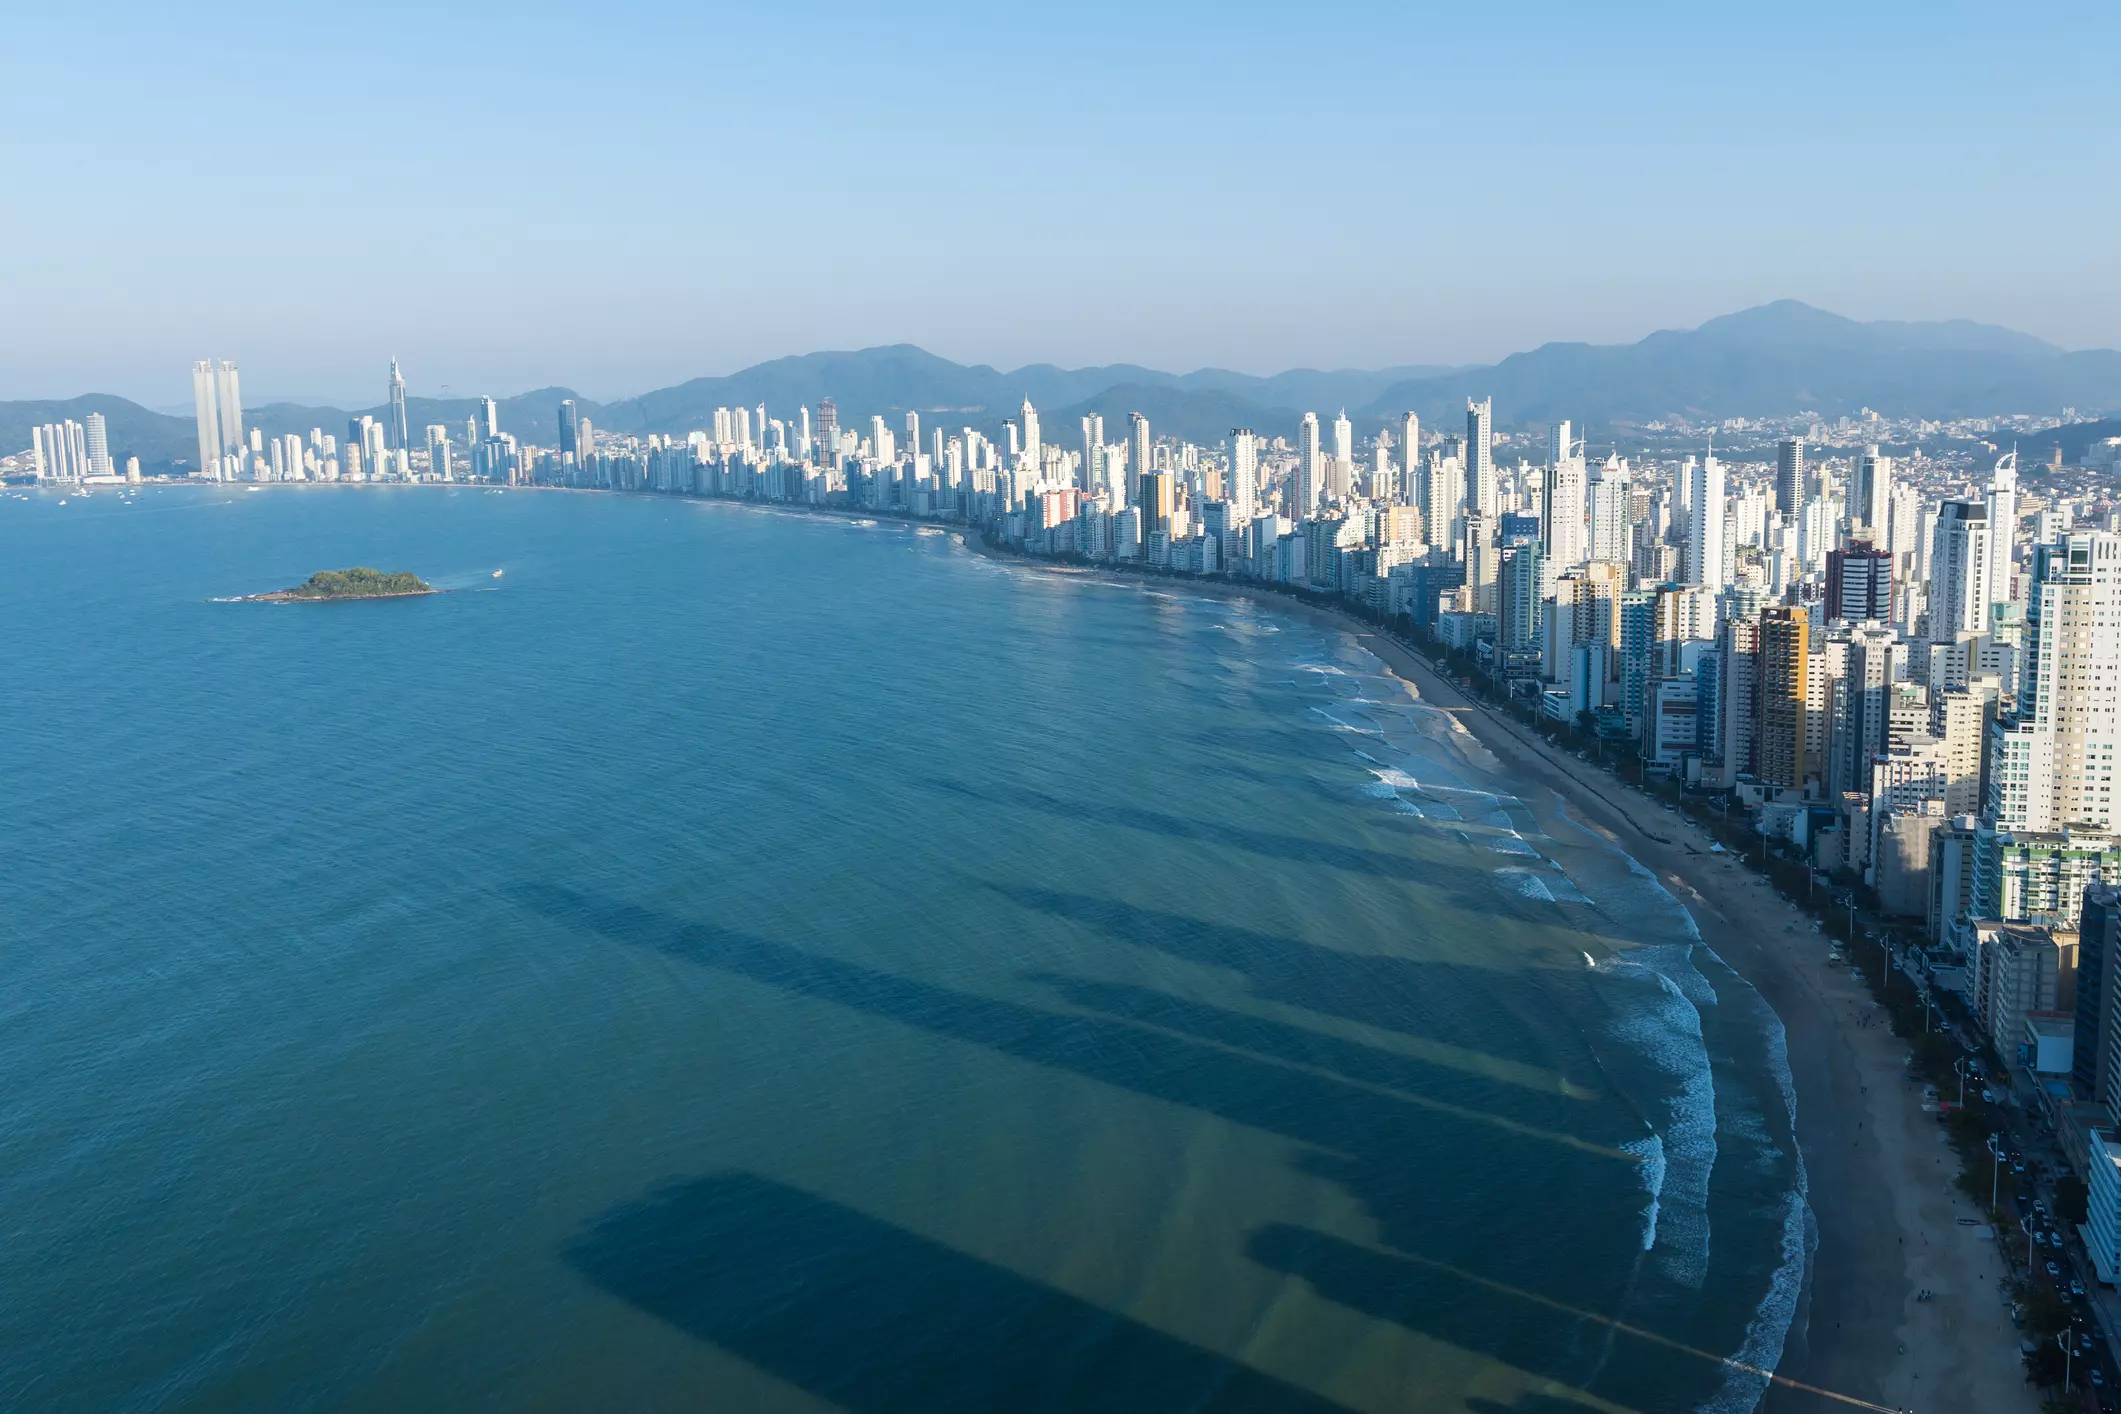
(744,960)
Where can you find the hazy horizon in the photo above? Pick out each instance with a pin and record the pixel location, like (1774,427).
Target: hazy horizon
(508,199)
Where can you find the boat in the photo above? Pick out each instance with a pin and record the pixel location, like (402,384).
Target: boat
(498,573)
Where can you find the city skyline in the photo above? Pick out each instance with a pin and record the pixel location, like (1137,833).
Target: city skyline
(1623,173)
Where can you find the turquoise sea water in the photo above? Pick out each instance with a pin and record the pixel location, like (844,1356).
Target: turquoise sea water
(738,960)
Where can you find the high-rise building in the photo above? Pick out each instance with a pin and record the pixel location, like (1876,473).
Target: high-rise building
(1704,542)
(489,418)
(828,431)
(1340,477)
(1409,453)
(1561,509)
(1440,494)
(1960,573)
(2002,508)
(1781,733)
(98,445)
(1791,484)
(1310,466)
(1870,493)
(207,406)
(1138,440)
(228,398)
(1520,591)
(1861,701)
(1093,453)
(2052,764)
(1158,500)
(1962,718)
(570,444)
(1561,445)
(397,432)
(438,441)
(1480,455)
(1612,511)
(1030,450)
(1244,473)
(1859,583)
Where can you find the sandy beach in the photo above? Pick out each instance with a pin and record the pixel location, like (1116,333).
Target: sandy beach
(1880,1171)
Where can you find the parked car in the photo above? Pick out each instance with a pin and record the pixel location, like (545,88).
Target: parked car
(2076,1288)
(2053,1270)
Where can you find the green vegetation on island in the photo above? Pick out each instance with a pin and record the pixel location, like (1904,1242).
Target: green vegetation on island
(357,583)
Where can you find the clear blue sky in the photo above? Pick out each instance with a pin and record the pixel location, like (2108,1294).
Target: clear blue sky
(620,196)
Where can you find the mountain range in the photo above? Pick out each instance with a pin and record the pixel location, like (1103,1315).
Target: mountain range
(1778,358)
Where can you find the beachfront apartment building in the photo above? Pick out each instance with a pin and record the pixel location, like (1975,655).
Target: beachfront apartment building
(2040,877)
(1782,729)
(2053,763)
(2019,969)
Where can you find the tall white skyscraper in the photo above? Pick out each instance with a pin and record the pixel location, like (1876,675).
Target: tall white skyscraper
(2054,764)
(1960,573)
(1138,440)
(397,433)
(1480,454)
(98,445)
(1704,540)
(1093,452)
(1612,492)
(1441,496)
(1561,513)
(1244,474)
(489,418)
(1340,472)
(1310,468)
(1870,494)
(1030,450)
(1409,454)
(2002,529)
(1560,446)
(228,397)
(209,417)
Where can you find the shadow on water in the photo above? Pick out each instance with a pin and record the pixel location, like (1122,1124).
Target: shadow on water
(1293,849)
(1418,1165)
(879,1320)
(1455,1003)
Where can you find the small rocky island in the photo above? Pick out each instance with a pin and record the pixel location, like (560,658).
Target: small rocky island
(357,583)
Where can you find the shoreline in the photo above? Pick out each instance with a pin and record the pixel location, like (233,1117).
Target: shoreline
(1883,1214)
(283,596)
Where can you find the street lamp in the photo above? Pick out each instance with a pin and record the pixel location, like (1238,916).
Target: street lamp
(1995,1177)
(2069,1355)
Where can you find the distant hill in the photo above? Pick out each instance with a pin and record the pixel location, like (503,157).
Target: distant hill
(1193,415)
(1784,357)
(1779,358)
(2073,438)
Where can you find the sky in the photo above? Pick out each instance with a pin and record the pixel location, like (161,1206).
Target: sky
(618,197)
